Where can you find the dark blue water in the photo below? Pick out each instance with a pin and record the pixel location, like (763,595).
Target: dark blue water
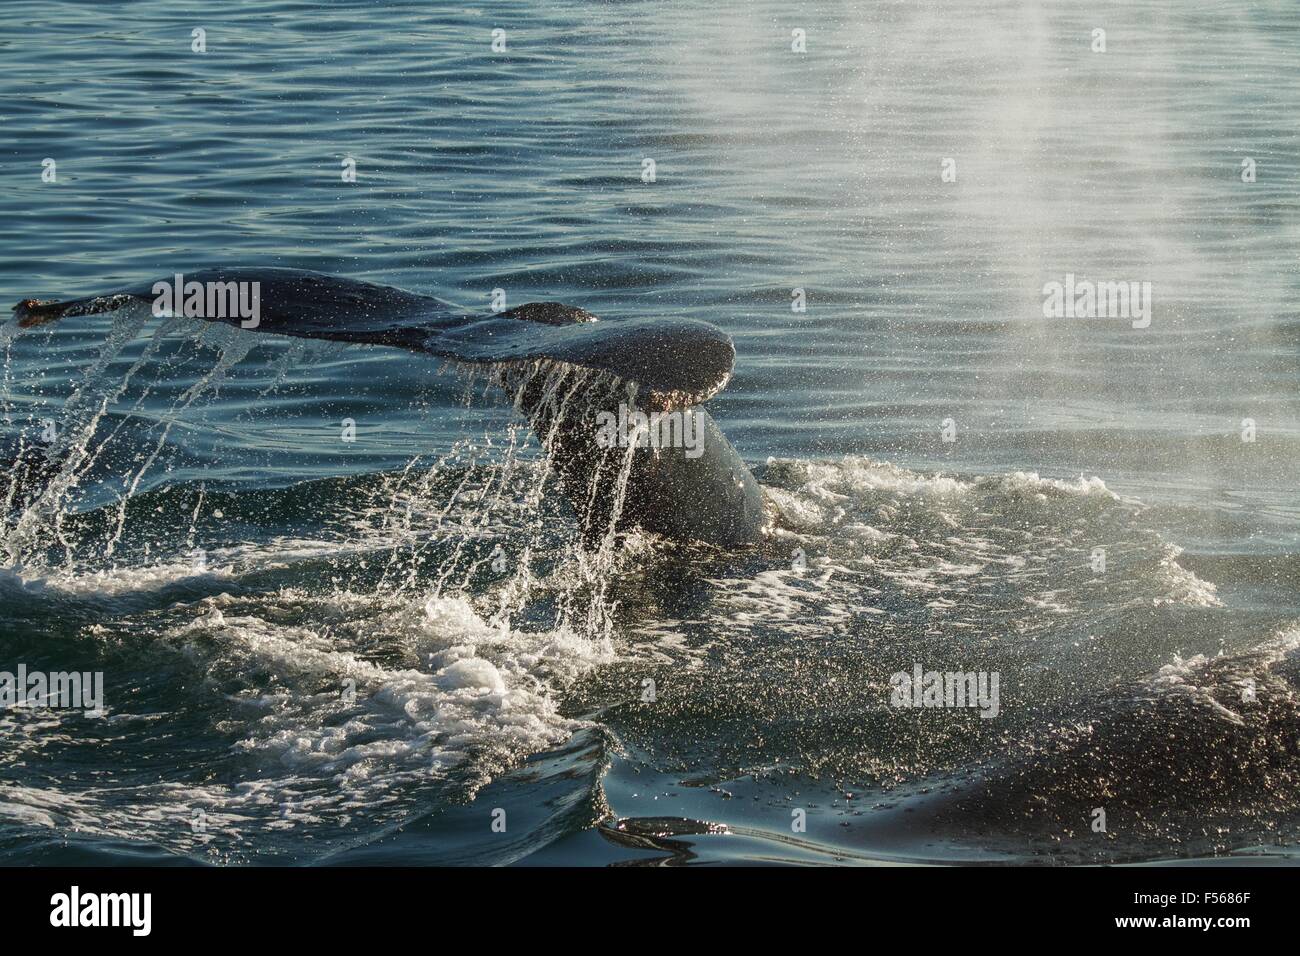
(318,649)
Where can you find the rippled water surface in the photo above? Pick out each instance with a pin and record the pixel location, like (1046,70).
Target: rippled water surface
(320,650)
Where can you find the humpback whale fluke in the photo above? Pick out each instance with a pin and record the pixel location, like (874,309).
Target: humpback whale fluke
(665,367)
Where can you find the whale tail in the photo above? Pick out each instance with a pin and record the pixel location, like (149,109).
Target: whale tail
(692,486)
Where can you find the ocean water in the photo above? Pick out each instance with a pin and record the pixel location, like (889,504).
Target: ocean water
(396,650)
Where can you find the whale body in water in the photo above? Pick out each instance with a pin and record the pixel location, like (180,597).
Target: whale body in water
(616,404)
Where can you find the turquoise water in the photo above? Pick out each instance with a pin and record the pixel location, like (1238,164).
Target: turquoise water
(306,645)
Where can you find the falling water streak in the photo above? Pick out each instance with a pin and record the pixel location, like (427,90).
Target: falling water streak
(123,330)
(488,506)
(147,356)
(418,497)
(394,488)
(488,500)
(8,332)
(295,355)
(75,458)
(75,450)
(407,501)
(595,569)
(231,352)
(548,394)
(396,505)
(518,589)
(457,495)
(190,535)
